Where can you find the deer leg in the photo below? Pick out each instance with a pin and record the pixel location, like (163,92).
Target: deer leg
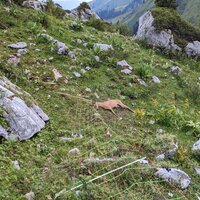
(126,107)
(113,112)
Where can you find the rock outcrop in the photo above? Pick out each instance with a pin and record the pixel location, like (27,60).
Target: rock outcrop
(174,176)
(193,49)
(23,120)
(84,13)
(148,33)
(36,5)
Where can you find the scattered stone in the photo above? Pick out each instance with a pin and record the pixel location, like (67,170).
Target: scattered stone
(16,164)
(160,131)
(96,95)
(169,194)
(152,122)
(197,170)
(79,41)
(57,74)
(77,75)
(88,68)
(98,160)
(85,44)
(7,9)
(77,135)
(88,90)
(3,132)
(126,71)
(123,64)
(144,162)
(30,196)
(92,142)
(74,152)
(51,58)
(14,60)
(160,157)
(97,115)
(21,52)
(141,82)
(155,79)
(193,49)
(176,70)
(196,147)
(19,45)
(97,59)
(72,55)
(38,50)
(174,176)
(169,153)
(82,71)
(148,32)
(103,47)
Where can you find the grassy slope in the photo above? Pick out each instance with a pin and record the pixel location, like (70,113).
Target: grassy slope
(45,166)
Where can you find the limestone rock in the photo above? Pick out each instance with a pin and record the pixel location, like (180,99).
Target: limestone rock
(18,45)
(103,47)
(148,33)
(24,121)
(14,60)
(126,68)
(30,196)
(74,152)
(22,52)
(193,49)
(196,147)
(84,14)
(174,176)
(176,70)
(3,132)
(155,79)
(36,5)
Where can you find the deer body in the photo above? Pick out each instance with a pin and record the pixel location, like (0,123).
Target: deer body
(111,104)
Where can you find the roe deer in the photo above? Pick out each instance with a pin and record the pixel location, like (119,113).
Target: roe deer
(110,104)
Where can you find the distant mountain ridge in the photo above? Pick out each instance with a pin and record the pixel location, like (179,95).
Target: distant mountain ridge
(109,9)
(129,11)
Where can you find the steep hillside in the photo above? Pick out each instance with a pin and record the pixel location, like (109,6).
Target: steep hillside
(85,153)
(189,9)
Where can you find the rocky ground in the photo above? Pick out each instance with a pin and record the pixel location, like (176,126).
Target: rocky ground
(57,69)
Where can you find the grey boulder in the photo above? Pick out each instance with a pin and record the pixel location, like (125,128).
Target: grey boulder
(103,47)
(148,33)
(24,121)
(174,176)
(193,49)
(18,45)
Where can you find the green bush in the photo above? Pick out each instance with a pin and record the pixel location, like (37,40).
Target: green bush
(97,24)
(166,3)
(170,19)
(54,10)
(76,26)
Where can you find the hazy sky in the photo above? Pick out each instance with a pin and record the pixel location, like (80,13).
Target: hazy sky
(70,4)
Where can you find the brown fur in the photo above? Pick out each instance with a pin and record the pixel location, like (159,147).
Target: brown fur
(110,105)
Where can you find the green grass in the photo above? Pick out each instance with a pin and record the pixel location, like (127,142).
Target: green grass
(46,167)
